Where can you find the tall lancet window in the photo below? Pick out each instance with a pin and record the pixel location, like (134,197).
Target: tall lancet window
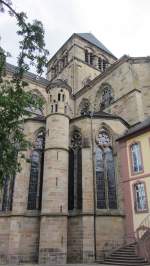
(36,174)
(75,172)
(7,193)
(105,172)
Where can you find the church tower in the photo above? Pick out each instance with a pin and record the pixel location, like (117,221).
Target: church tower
(54,213)
(82,58)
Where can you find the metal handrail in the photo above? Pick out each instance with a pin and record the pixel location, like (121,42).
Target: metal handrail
(113,244)
(143,227)
(143,238)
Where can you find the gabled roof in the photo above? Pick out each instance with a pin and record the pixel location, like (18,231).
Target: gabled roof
(137,129)
(59,83)
(93,40)
(28,75)
(101,114)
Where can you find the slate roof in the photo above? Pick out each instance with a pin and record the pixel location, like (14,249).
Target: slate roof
(28,75)
(101,114)
(59,83)
(93,40)
(109,116)
(136,129)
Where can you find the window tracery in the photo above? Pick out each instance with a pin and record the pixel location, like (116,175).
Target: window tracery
(105,172)
(75,172)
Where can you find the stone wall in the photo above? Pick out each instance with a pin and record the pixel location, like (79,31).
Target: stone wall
(4,238)
(23,239)
(109,232)
(75,240)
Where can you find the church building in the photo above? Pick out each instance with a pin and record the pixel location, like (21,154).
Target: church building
(68,204)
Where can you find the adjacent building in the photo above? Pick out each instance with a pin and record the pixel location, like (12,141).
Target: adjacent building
(134,149)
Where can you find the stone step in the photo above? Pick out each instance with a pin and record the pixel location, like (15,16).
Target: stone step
(126,257)
(126,263)
(124,253)
(127,248)
(125,260)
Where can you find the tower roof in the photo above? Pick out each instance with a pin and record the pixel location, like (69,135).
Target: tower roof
(93,40)
(59,83)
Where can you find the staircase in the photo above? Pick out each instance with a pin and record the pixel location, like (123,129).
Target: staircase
(125,256)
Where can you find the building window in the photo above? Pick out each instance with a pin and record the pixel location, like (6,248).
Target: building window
(100,63)
(105,173)
(75,173)
(106,98)
(53,72)
(65,109)
(35,110)
(91,59)
(105,64)
(56,108)
(59,96)
(86,56)
(7,193)
(140,197)
(36,174)
(63,97)
(136,158)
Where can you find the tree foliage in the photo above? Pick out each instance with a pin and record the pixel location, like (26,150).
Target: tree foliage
(15,101)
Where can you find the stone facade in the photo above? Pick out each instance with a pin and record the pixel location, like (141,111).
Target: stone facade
(67,202)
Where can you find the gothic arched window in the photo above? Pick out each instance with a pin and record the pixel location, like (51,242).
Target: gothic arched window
(36,174)
(7,193)
(35,110)
(106,97)
(75,172)
(105,173)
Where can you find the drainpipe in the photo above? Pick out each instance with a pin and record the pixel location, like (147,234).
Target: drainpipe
(94,187)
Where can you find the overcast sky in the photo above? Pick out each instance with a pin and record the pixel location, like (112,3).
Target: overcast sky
(123,26)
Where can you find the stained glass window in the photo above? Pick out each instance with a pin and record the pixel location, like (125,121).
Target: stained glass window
(75,173)
(110,172)
(35,110)
(105,173)
(100,179)
(36,174)
(7,193)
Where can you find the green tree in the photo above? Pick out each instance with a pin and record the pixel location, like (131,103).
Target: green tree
(14,100)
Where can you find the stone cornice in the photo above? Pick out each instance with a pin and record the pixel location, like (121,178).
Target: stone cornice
(56,148)
(61,114)
(37,214)
(97,116)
